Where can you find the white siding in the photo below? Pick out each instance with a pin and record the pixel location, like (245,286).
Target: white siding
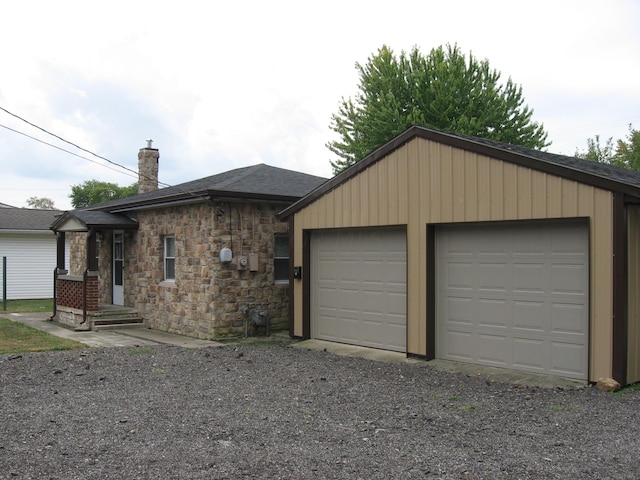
(31,259)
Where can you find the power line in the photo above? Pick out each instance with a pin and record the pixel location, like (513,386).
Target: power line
(63,150)
(135,173)
(67,141)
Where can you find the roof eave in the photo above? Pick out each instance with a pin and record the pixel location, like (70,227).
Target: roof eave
(463,144)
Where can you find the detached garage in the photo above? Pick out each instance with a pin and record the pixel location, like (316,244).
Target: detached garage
(460,248)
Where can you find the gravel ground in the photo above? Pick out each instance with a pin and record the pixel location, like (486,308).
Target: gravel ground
(281,412)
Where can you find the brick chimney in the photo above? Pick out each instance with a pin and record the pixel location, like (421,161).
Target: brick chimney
(148,168)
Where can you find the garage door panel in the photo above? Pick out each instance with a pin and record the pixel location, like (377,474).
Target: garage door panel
(566,358)
(367,270)
(529,354)
(567,318)
(568,279)
(460,345)
(460,310)
(521,289)
(396,307)
(493,276)
(460,275)
(529,278)
(493,312)
(491,350)
(531,316)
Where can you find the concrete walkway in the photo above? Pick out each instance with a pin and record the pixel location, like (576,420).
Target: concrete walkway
(126,337)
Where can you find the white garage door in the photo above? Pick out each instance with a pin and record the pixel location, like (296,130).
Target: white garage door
(358,287)
(514,296)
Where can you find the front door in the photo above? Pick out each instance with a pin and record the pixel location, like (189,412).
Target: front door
(118,268)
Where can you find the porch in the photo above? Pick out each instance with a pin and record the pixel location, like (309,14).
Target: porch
(77,291)
(104,318)
(77,304)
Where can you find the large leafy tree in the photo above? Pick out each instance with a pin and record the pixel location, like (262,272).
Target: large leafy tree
(92,192)
(445,90)
(626,153)
(41,203)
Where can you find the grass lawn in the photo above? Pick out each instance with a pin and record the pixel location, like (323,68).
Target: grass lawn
(23,306)
(17,338)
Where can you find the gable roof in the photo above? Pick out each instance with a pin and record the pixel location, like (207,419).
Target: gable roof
(257,182)
(83,220)
(26,219)
(600,175)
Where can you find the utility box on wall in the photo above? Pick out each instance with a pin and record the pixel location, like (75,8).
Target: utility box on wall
(253,262)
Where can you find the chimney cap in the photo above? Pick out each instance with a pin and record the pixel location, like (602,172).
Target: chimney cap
(149,142)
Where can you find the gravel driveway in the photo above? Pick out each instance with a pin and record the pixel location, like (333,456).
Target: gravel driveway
(281,412)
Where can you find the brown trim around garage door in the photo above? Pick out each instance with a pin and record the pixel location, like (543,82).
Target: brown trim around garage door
(430,353)
(306,284)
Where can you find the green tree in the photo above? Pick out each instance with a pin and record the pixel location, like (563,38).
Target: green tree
(626,153)
(92,192)
(41,203)
(598,152)
(443,90)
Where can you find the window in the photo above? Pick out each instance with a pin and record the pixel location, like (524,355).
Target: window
(169,258)
(281,259)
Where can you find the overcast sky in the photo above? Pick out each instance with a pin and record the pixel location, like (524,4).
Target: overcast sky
(221,85)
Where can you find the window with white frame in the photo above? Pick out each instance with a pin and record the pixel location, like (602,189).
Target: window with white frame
(169,258)
(281,258)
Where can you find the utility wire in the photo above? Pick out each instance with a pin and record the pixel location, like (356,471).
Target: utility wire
(133,173)
(63,150)
(67,141)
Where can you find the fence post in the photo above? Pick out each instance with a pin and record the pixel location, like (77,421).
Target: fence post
(4,283)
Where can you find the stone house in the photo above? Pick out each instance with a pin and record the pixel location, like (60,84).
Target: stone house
(207,258)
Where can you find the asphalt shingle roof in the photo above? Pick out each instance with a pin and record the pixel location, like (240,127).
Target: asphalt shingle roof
(602,170)
(257,180)
(26,218)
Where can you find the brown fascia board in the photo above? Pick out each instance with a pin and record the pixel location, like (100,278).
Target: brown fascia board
(252,197)
(205,196)
(463,144)
(159,203)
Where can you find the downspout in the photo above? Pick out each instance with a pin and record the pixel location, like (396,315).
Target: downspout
(55,294)
(84,296)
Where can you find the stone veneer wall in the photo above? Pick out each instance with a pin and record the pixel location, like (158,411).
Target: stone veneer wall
(78,253)
(105,264)
(207,298)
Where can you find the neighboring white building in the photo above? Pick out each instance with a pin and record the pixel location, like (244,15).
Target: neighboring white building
(30,249)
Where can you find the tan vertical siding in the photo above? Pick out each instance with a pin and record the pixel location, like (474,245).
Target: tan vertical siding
(425,182)
(601,325)
(633,365)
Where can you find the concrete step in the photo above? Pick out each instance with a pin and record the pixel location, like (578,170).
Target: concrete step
(113,323)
